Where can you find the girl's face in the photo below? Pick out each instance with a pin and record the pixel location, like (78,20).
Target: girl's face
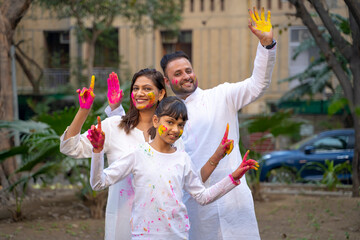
(145,94)
(169,129)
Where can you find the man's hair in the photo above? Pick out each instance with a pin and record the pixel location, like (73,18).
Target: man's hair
(170,57)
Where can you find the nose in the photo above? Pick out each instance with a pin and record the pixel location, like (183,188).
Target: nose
(141,92)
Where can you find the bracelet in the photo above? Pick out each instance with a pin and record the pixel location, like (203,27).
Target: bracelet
(233,181)
(212,163)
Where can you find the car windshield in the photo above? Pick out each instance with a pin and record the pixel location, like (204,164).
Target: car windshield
(297,145)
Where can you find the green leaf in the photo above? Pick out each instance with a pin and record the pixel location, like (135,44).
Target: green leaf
(12,152)
(337,105)
(39,157)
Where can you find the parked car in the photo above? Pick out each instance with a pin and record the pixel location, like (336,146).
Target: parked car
(333,145)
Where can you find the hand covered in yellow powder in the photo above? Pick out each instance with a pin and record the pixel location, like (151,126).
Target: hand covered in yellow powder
(262,28)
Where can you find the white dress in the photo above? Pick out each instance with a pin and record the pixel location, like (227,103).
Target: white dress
(233,216)
(159,180)
(120,195)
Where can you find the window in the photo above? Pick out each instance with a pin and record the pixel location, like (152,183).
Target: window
(269,4)
(212,5)
(191,5)
(173,43)
(107,49)
(280,4)
(201,5)
(222,5)
(302,61)
(331,143)
(57,49)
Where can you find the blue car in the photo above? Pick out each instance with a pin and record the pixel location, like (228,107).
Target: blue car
(333,145)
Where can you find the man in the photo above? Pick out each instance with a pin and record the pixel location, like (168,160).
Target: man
(233,216)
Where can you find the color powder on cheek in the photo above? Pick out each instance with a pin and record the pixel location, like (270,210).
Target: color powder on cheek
(133,99)
(174,81)
(181,132)
(151,100)
(162,129)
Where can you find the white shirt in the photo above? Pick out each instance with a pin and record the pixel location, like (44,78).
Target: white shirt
(158,179)
(120,195)
(233,216)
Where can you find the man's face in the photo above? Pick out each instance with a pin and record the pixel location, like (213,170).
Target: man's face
(181,77)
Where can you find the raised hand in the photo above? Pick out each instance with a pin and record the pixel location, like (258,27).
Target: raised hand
(227,144)
(86,96)
(225,147)
(262,28)
(96,136)
(115,94)
(245,166)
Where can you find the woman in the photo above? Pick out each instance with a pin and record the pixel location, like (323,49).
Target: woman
(123,134)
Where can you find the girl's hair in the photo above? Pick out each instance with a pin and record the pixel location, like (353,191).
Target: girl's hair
(170,106)
(131,118)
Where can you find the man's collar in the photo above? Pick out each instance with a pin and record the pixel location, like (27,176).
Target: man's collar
(193,95)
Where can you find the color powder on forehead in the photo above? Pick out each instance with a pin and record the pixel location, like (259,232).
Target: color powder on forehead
(162,129)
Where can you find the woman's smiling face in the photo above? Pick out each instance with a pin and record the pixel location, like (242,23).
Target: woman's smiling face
(145,94)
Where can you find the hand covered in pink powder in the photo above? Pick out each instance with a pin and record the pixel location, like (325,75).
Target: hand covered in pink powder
(115,94)
(245,166)
(96,136)
(86,96)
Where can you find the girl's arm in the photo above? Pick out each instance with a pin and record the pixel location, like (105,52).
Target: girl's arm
(204,195)
(225,147)
(101,178)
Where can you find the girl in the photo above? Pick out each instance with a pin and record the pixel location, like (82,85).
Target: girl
(123,134)
(160,173)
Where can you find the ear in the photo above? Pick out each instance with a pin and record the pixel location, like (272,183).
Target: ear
(167,82)
(155,121)
(162,94)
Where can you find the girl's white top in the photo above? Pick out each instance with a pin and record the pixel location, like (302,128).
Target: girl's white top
(158,180)
(120,195)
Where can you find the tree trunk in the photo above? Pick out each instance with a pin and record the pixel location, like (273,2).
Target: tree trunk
(11,12)
(96,204)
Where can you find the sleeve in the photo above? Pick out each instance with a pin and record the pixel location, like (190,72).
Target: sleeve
(101,178)
(193,185)
(77,146)
(244,92)
(117,112)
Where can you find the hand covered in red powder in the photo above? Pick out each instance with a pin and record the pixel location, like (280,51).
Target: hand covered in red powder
(96,136)
(245,166)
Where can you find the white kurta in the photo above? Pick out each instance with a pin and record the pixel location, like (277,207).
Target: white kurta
(233,216)
(158,179)
(120,195)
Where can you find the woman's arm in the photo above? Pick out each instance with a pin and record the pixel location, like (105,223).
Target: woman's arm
(86,99)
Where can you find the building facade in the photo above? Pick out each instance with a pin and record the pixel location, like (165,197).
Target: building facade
(214,33)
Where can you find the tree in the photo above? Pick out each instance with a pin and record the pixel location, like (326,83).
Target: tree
(350,51)
(11,13)
(93,17)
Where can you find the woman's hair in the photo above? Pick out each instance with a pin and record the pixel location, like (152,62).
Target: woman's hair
(131,118)
(170,106)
